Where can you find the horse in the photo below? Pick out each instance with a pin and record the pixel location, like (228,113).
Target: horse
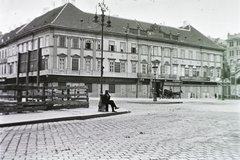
(177,94)
(168,93)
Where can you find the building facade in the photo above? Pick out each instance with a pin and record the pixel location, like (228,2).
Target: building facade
(63,47)
(233,59)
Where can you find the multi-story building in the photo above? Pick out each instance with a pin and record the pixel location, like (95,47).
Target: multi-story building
(63,47)
(233,59)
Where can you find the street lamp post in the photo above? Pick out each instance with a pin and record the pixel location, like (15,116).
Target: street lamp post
(103,8)
(155,67)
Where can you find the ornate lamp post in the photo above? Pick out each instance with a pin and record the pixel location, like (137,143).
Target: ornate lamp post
(103,8)
(155,67)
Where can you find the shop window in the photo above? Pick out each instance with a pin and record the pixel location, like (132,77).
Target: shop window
(111,88)
(89,86)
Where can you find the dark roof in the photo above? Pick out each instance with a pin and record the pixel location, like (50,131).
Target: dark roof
(70,17)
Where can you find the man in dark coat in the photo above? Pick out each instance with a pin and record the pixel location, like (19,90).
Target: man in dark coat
(106,100)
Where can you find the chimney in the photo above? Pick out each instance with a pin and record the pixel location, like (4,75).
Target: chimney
(45,10)
(185,24)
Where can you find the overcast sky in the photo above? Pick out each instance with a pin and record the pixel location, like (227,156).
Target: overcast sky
(215,18)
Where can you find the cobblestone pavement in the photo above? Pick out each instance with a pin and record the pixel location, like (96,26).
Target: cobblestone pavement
(150,131)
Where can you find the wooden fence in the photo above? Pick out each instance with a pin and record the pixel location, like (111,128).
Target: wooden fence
(19,98)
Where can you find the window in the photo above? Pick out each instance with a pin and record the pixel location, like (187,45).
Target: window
(218,72)
(182,53)
(167,52)
(190,71)
(182,70)
(144,68)
(61,63)
(155,51)
(198,55)
(20,48)
(62,41)
(167,69)
(134,67)
(175,53)
(13,50)
(186,71)
(122,46)
(111,46)
(47,40)
(231,44)
(122,66)
(24,47)
(9,51)
(111,88)
(88,44)
(144,49)
(75,64)
(211,57)
(44,63)
(41,42)
(111,65)
(238,43)
(98,45)
(190,54)
(197,71)
(211,72)
(194,72)
(175,69)
(231,62)
(88,64)
(205,72)
(205,57)
(163,69)
(29,45)
(99,64)
(35,44)
(133,48)
(10,68)
(75,42)
(218,58)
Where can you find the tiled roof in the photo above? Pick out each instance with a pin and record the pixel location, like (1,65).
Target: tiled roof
(69,16)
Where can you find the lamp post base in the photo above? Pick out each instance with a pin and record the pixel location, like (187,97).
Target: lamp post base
(100,104)
(155,96)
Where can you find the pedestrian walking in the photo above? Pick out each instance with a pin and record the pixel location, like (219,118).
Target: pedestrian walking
(215,95)
(106,100)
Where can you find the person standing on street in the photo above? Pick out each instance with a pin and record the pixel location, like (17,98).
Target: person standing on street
(106,100)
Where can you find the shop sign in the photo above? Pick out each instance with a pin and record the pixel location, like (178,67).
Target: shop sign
(195,78)
(97,80)
(172,84)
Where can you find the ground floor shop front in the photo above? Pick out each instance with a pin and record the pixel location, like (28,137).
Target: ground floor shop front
(127,87)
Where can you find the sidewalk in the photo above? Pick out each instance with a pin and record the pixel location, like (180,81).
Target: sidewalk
(40,116)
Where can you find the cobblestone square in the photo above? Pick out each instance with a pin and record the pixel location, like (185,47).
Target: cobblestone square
(204,130)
